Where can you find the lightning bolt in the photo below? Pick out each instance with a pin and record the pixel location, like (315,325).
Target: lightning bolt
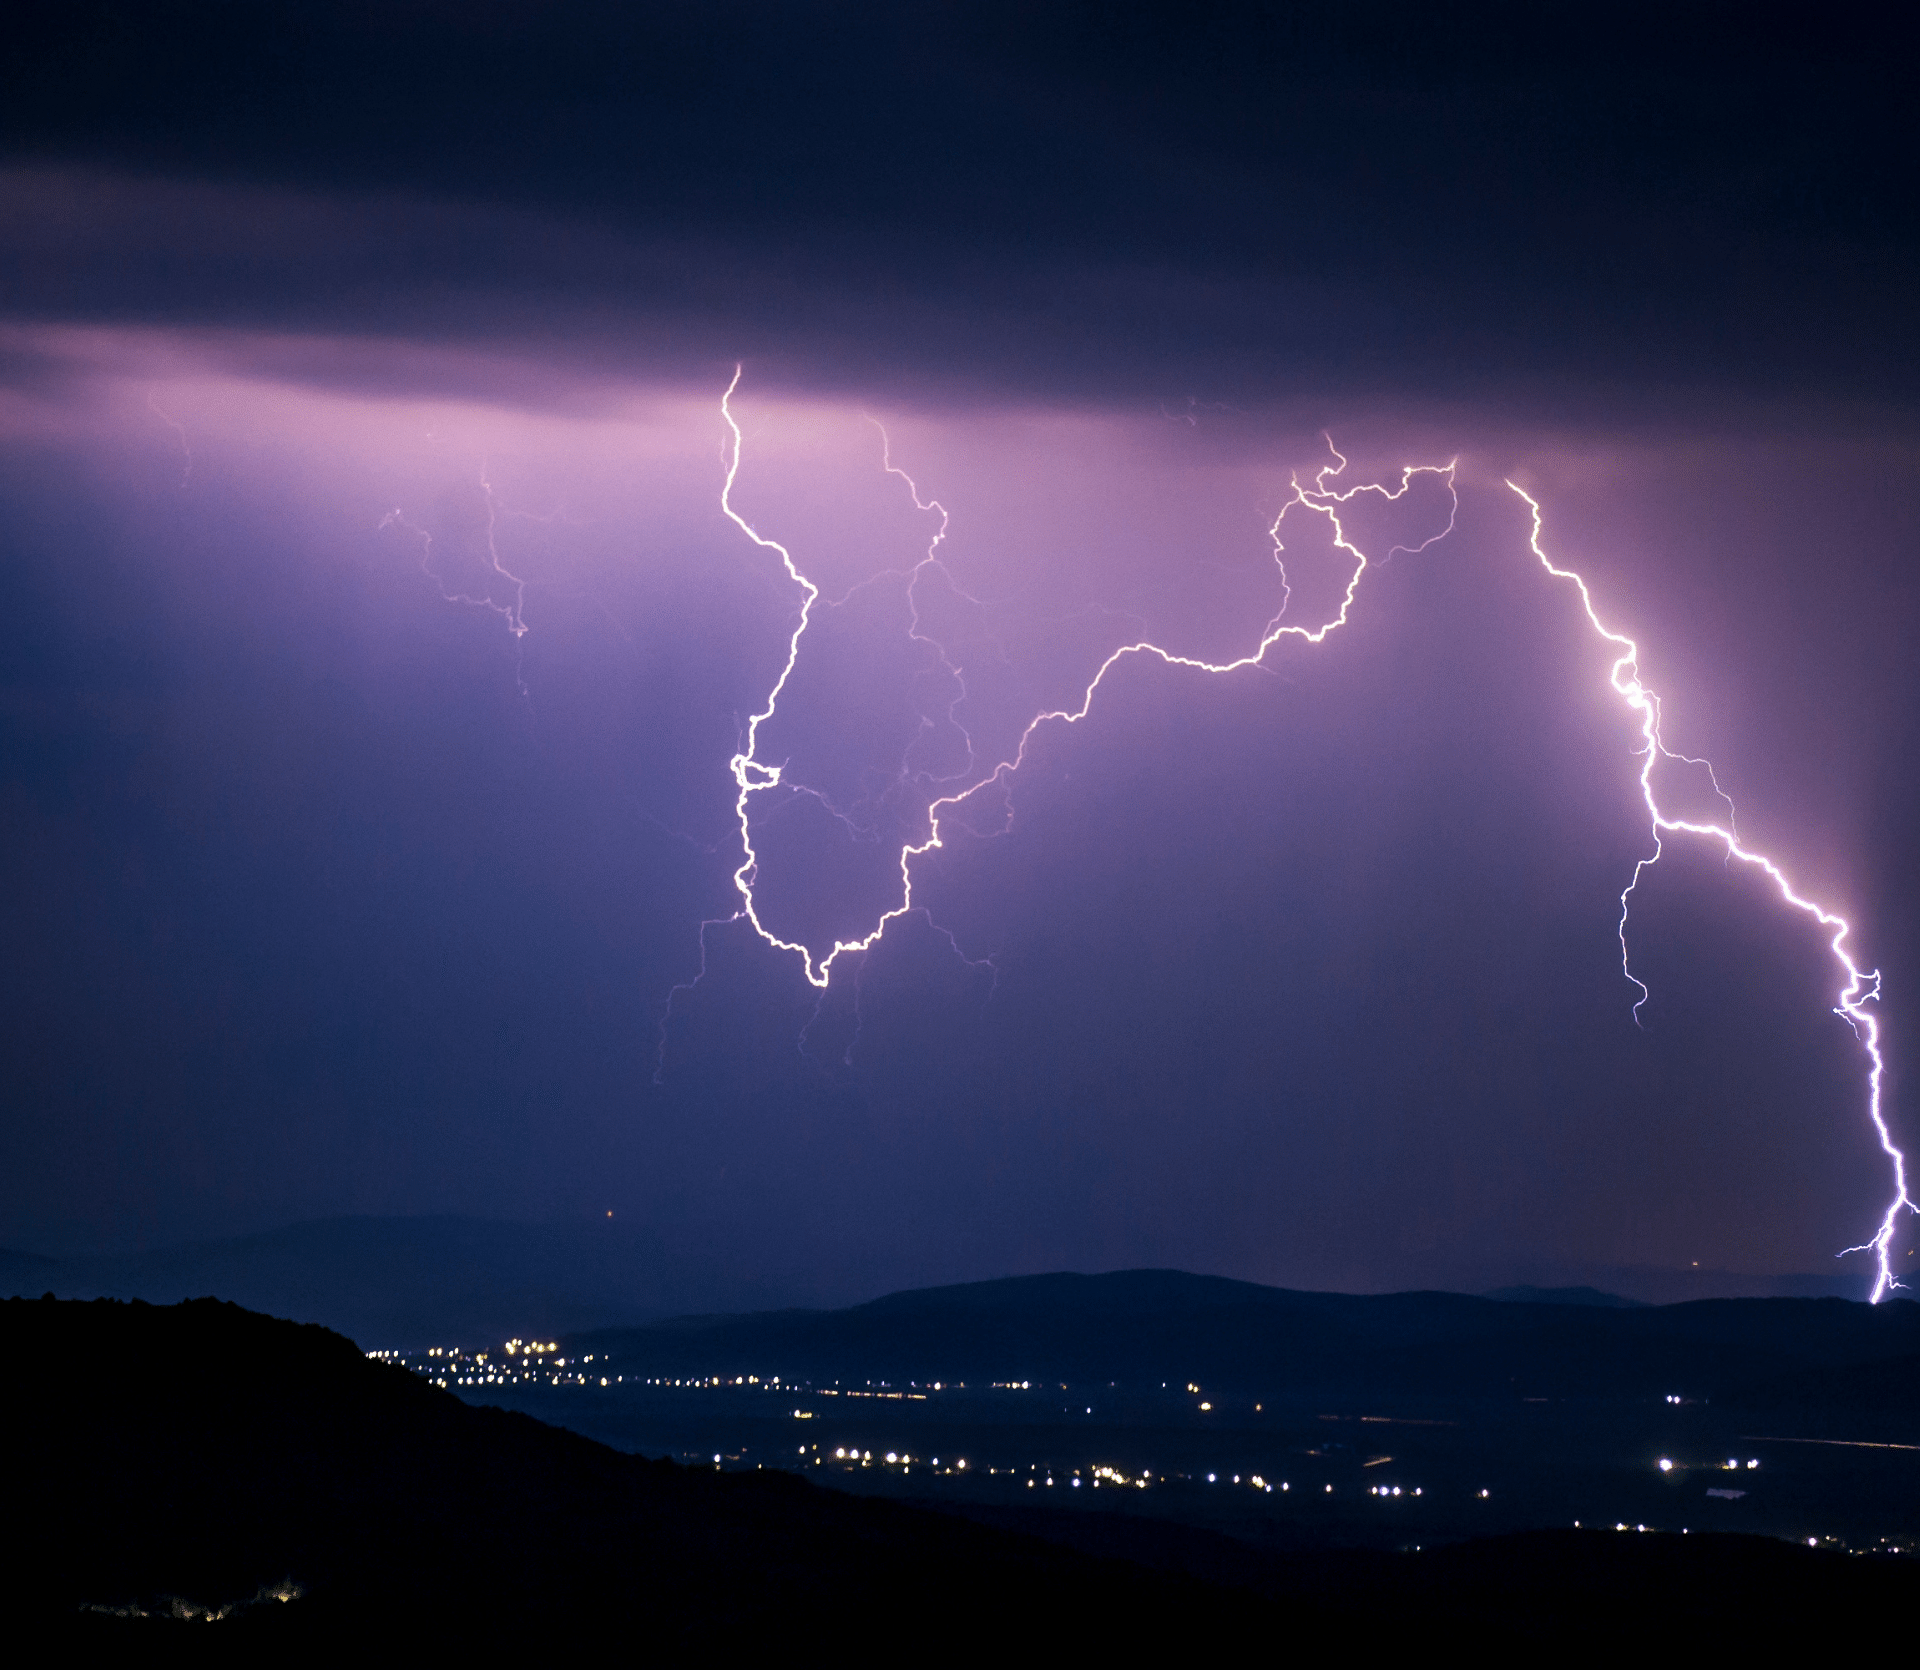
(753,775)
(510,612)
(930,560)
(180,431)
(1859,986)
(1322,497)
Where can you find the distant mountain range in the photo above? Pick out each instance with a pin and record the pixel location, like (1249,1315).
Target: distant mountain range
(1563,1296)
(411,1282)
(1152,1326)
(408,1282)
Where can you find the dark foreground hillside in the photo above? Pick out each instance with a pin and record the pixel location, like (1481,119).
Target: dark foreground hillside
(182,1460)
(204,1453)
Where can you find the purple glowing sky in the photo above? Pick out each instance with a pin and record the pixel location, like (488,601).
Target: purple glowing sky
(347,897)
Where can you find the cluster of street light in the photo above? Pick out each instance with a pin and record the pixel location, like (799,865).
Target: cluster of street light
(1043,1476)
(538,1363)
(530,1363)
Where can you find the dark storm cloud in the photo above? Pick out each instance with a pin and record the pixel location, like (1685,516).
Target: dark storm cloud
(1072,199)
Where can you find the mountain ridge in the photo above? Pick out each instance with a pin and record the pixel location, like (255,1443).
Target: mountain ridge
(1170,1327)
(427,1280)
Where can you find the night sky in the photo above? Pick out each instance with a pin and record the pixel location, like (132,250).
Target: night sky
(376,643)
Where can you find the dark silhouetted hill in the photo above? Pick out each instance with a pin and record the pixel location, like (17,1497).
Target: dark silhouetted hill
(1528,1295)
(410,1282)
(1149,1326)
(1556,1589)
(206,1453)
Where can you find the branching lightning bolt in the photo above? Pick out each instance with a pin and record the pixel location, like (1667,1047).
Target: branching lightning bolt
(1859,986)
(512,613)
(1320,499)
(509,612)
(753,776)
(180,431)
